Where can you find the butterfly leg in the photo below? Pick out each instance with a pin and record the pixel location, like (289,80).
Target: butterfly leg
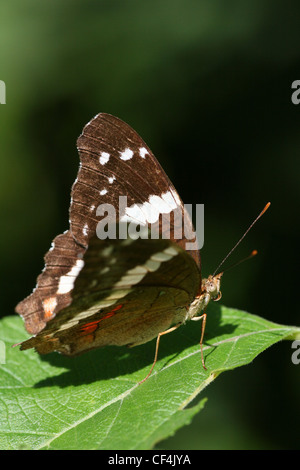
(203,318)
(156,349)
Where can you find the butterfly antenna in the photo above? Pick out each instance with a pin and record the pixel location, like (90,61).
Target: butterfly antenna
(252,254)
(237,244)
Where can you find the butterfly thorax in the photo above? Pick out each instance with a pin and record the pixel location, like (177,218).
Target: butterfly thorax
(210,290)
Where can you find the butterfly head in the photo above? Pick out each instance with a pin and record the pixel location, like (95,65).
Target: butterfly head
(210,290)
(211,287)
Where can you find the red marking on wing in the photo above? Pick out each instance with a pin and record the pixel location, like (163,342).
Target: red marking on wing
(92,326)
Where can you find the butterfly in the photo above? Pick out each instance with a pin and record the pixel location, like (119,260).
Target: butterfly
(105,290)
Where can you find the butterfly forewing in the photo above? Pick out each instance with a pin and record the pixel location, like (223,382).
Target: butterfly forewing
(114,161)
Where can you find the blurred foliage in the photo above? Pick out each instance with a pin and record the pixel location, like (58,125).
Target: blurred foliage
(208,86)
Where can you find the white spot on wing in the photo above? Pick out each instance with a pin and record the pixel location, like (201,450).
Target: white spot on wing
(131,277)
(165,255)
(139,269)
(85,229)
(126,155)
(152,265)
(66,283)
(159,203)
(111,179)
(103,192)
(149,211)
(135,214)
(143,152)
(104,158)
(169,199)
(107,251)
(127,241)
(68,324)
(104,270)
(135,275)
(171,250)
(107,302)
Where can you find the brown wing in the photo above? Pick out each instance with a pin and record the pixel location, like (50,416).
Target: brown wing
(46,301)
(114,162)
(122,296)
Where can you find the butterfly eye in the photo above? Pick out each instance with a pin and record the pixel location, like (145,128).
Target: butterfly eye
(210,287)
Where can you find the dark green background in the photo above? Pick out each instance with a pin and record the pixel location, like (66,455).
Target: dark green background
(207,84)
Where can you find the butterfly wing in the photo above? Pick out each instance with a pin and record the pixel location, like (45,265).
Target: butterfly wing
(114,162)
(54,285)
(122,296)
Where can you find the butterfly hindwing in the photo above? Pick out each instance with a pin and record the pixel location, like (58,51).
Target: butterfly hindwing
(122,296)
(54,284)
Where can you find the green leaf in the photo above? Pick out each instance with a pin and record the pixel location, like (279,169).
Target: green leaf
(94,401)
